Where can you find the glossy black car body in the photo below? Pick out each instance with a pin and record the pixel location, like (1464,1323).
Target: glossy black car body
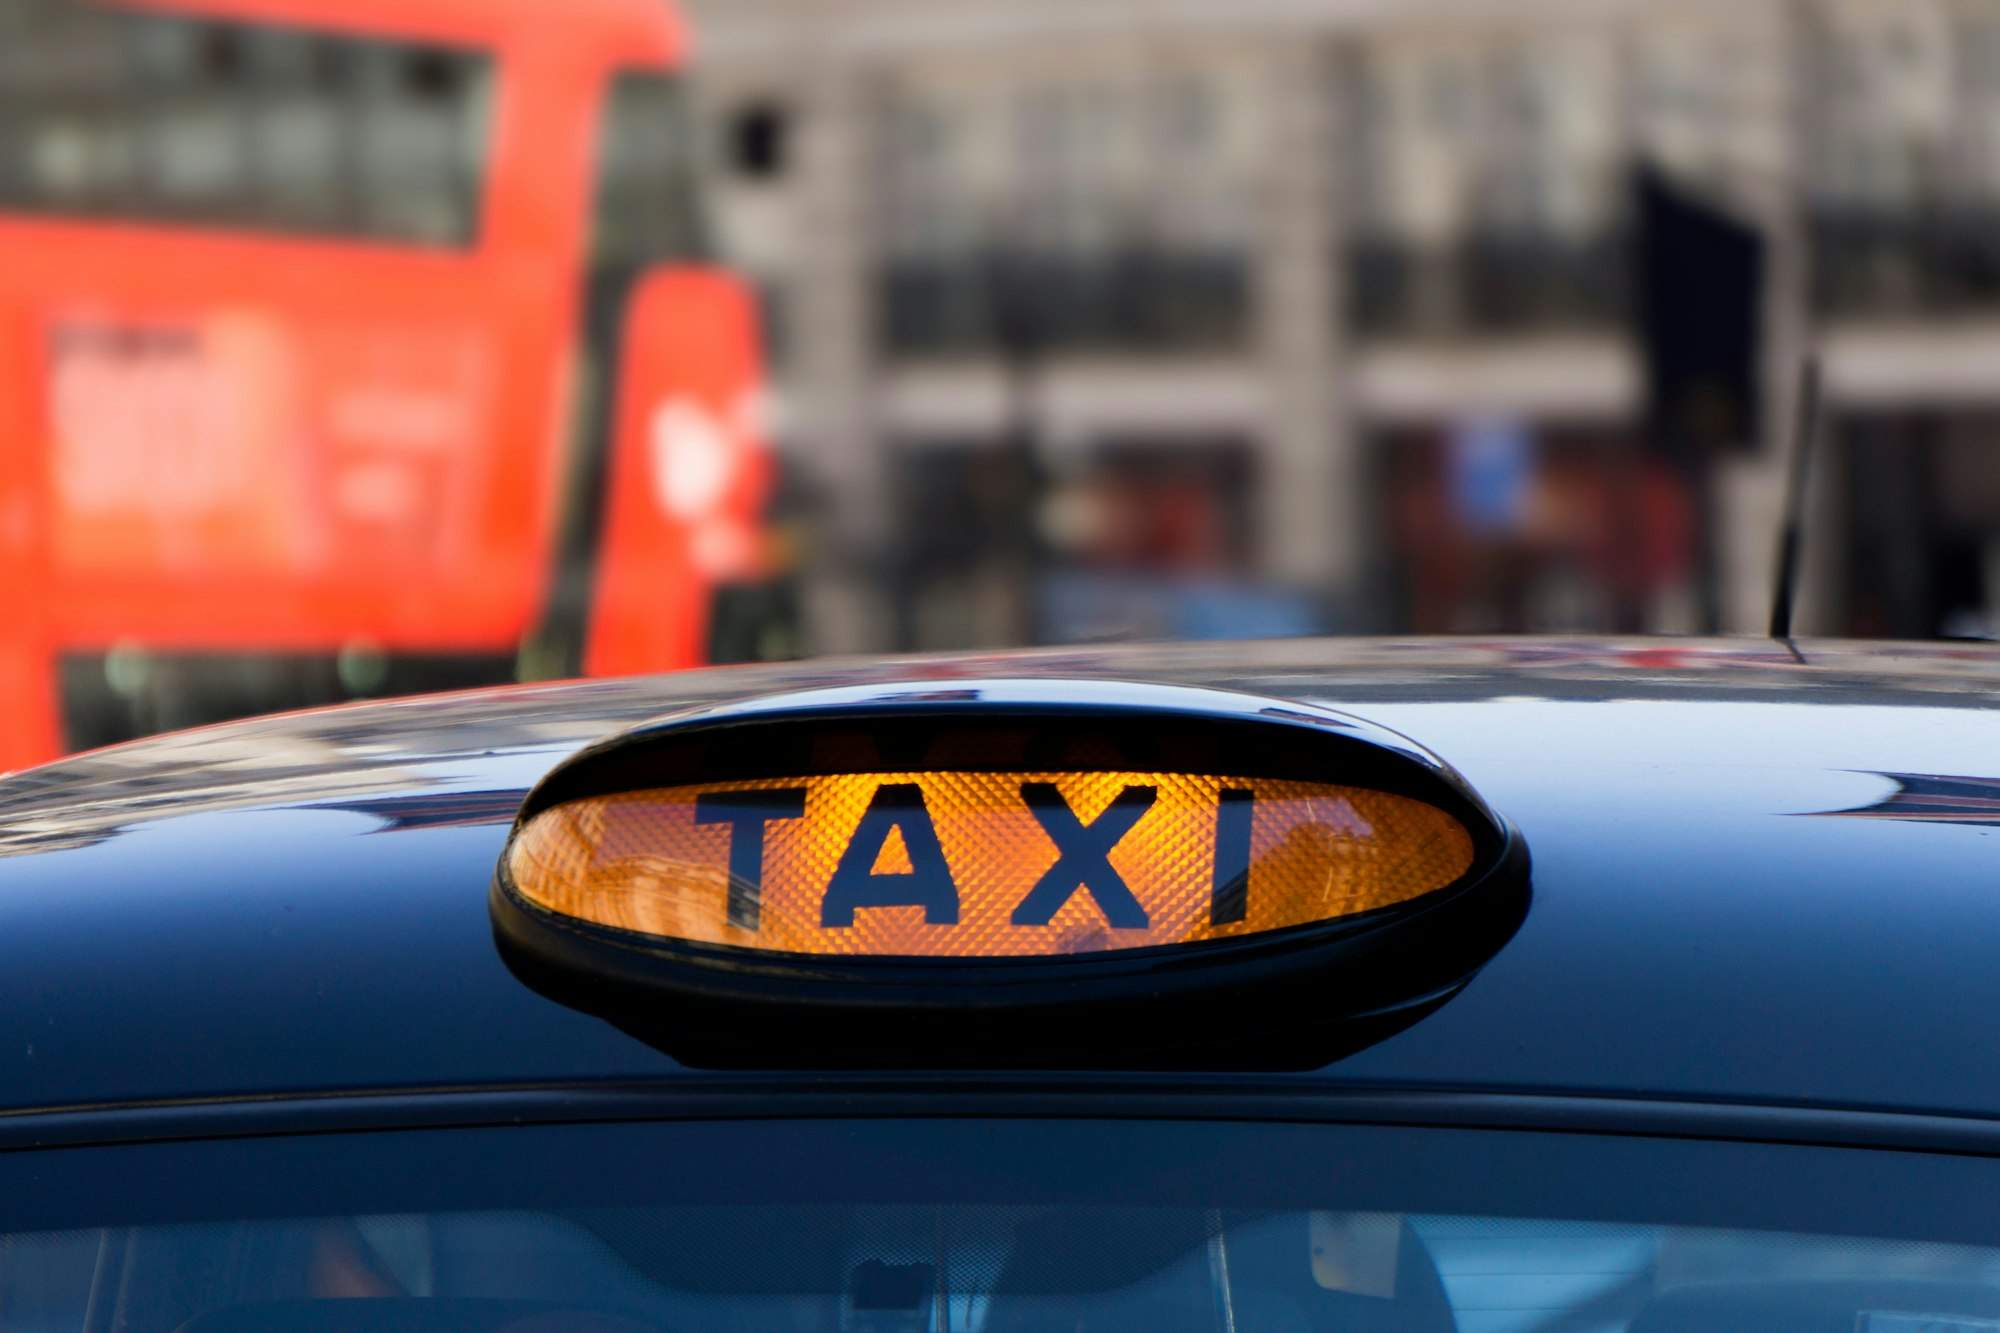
(1765,906)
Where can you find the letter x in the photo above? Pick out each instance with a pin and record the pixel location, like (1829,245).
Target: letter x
(1083,849)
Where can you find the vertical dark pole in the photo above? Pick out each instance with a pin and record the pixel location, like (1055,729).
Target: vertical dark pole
(1707,565)
(1700,299)
(1805,429)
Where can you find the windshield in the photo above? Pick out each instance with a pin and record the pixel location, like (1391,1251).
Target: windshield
(996,1227)
(357,352)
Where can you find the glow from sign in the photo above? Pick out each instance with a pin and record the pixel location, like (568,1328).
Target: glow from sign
(982,865)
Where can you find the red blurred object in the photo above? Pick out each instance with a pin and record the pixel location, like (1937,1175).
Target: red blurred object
(688,472)
(239,439)
(28,730)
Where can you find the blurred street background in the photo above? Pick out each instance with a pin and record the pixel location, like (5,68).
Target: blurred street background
(361,348)
(1256,316)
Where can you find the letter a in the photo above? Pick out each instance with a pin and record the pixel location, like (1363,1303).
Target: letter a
(897,807)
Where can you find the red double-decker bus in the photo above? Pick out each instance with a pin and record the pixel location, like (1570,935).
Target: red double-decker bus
(349,346)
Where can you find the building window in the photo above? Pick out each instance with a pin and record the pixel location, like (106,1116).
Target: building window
(1487,187)
(1903,172)
(1077,211)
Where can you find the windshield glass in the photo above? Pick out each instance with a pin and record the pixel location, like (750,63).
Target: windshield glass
(998,1227)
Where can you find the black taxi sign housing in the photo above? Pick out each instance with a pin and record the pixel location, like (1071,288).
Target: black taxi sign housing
(1006,873)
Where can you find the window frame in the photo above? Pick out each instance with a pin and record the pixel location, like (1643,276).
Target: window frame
(1265,1145)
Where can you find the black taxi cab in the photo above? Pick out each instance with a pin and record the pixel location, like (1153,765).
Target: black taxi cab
(1299,987)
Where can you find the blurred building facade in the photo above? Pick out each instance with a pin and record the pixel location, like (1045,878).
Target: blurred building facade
(1236,316)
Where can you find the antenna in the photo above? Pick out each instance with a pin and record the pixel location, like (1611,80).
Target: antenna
(1805,429)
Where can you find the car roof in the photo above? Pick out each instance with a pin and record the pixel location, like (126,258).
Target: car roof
(1761,875)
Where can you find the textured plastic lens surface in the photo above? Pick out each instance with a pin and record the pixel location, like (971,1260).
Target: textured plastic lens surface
(982,865)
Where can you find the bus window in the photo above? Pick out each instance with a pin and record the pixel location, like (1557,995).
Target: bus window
(646,194)
(222,124)
(62,151)
(422,121)
(190,80)
(298,138)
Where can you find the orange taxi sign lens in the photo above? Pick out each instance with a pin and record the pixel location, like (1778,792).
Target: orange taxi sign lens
(982,865)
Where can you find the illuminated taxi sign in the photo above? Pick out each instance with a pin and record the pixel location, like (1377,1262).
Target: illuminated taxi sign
(982,865)
(1006,873)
